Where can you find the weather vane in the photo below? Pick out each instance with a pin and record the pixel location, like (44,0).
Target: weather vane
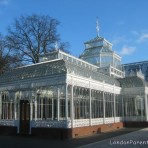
(97,27)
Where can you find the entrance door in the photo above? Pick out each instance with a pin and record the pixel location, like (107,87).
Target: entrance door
(24,117)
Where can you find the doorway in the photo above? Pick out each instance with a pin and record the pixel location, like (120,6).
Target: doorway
(24,117)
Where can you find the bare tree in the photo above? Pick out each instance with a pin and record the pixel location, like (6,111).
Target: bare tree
(31,36)
(7,58)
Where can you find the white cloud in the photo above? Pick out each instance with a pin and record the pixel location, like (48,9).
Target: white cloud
(119,39)
(143,37)
(4,2)
(134,32)
(127,50)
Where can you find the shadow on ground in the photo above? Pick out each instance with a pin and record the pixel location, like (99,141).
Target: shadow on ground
(45,142)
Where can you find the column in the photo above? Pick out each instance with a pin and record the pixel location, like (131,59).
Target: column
(103,104)
(141,101)
(35,107)
(15,107)
(31,112)
(31,107)
(122,108)
(58,104)
(100,61)
(72,107)
(66,103)
(114,107)
(114,104)
(146,107)
(90,110)
(52,108)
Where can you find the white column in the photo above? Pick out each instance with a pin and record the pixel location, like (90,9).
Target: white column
(31,112)
(31,109)
(146,107)
(18,109)
(100,61)
(41,108)
(103,105)
(15,107)
(90,110)
(35,106)
(52,108)
(122,107)
(114,107)
(114,104)
(141,110)
(72,107)
(66,103)
(58,105)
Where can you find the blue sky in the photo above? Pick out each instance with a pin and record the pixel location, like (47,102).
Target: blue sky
(122,22)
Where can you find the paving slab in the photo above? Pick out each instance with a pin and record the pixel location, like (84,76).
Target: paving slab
(134,139)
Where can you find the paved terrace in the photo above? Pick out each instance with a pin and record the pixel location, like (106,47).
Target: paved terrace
(126,137)
(131,140)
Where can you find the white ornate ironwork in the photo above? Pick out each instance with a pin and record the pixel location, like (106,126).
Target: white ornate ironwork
(81,122)
(118,119)
(109,120)
(49,124)
(97,121)
(7,122)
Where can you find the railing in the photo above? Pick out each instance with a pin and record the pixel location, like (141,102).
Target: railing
(76,122)
(49,123)
(7,122)
(81,122)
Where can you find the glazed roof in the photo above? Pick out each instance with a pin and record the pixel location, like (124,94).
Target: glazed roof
(54,67)
(33,71)
(95,51)
(133,81)
(96,46)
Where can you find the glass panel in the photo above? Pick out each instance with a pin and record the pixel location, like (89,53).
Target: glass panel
(7,106)
(109,105)
(81,103)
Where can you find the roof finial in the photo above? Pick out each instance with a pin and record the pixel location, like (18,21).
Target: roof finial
(56,45)
(97,26)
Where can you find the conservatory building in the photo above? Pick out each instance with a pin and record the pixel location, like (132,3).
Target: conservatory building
(67,97)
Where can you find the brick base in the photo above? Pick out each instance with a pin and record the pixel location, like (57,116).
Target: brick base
(90,130)
(59,133)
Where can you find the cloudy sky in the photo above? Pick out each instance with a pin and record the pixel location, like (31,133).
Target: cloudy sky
(122,22)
